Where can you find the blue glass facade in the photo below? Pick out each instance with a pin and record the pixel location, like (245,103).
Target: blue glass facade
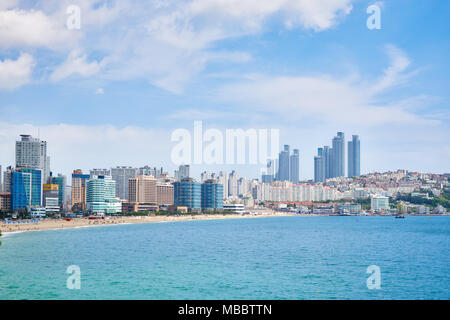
(212,195)
(20,190)
(26,189)
(187,193)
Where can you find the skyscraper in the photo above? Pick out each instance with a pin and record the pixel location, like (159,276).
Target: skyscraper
(327,161)
(182,173)
(319,166)
(283,164)
(294,169)
(26,188)
(79,181)
(121,175)
(338,155)
(354,157)
(32,153)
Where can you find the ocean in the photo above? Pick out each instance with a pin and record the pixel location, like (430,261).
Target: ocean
(261,258)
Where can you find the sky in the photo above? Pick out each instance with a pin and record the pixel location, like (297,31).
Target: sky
(112,91)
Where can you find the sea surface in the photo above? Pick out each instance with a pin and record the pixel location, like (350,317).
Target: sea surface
(261,258)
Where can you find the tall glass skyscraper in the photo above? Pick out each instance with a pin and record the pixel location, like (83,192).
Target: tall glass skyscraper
(283,165)
(319,166)
(354,169)
(338,156)
(26,188)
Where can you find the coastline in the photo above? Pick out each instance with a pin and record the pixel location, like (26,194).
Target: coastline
(56,224)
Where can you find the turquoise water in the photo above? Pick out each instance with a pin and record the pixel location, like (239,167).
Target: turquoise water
(264,258)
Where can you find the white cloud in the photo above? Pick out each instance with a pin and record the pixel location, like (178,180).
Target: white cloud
(8,4)
(32,28)
(100,91)
(16,73)
(328,99)
(168,43)
(76,64)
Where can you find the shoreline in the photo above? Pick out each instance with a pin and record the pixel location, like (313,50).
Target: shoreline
(74,223)
(59,224)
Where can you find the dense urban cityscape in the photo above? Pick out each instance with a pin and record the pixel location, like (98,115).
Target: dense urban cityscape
(31,189)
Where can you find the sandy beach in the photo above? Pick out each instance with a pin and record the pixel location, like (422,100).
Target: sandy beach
(49,224)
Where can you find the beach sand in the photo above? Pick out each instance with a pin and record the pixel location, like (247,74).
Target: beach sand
(48,224)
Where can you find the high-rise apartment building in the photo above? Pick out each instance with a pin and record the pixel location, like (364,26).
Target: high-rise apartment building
(142,189)
(354,157)
(182,172)
(121,175)
(164,193)
(294,167)
(338,155)
(32,153)
(26,189)
(283,164)
(319,166)
(79,182)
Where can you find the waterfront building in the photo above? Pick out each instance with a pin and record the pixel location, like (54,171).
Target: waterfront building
(236,208)
(26,189)
(212,195)
(79,182)
(5,201)
(354,157)
(187,192)
(61,181)
(32,153)
(101,196)
(142,189)
(164,193)
(378,202)
(121,175)
(51,198)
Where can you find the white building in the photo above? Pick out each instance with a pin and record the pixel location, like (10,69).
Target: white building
(32,153)
(378,202)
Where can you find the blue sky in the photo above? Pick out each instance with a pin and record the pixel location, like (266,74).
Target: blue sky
(112,92)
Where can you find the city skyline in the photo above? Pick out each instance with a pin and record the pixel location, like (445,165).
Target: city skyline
(309,71)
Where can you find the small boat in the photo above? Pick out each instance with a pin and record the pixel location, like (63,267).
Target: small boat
(399,216)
